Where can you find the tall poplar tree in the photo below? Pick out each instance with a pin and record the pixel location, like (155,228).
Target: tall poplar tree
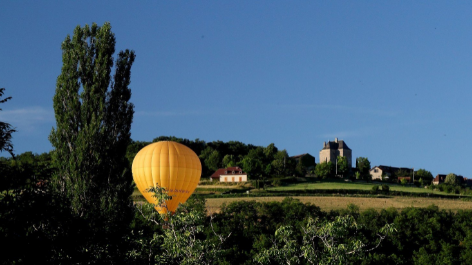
(93,122)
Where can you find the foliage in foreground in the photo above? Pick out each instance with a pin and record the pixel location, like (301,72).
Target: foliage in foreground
(32,218)
(182,239)
(340,238)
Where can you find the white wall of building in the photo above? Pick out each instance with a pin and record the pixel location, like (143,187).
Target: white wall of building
(233,178)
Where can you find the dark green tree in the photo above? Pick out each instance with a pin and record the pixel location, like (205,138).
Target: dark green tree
(280,162)
(228,161)
(5,130)
(270,151)
(93,122)
(213,161)
(252,163)
(133,148)
(324,170)
(402,172)
(425,175)
(363,167)
(343,167)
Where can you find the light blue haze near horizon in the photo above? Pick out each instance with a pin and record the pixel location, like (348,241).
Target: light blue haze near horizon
(391,78)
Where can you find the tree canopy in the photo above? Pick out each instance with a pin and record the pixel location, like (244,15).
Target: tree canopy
(424,174)
(363,167)
(92,134)
(452,179)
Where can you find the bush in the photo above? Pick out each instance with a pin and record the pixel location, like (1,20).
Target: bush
(276,182)
(385,188)
(403,182)
(357,175)
(452,179)
(447,188)
(375,188)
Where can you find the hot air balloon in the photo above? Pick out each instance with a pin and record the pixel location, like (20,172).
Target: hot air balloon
(170,165)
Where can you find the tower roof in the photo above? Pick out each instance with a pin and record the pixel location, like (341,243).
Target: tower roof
(336,145)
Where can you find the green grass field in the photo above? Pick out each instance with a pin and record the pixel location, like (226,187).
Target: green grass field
(340,185)
(332,201)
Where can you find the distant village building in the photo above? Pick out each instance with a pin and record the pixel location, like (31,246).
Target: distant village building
(387,171)
(307,160)
(468,182)
(441,178)
(229,174)
(332,150)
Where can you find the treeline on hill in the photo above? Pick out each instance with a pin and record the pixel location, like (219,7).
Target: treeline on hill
(259,162)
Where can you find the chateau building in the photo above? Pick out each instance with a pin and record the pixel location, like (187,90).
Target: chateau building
(332,150)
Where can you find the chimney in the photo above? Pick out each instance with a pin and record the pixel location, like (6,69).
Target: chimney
(336,139)
(324,144)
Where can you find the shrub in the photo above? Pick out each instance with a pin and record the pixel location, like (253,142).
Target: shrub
(448,188)
(403,182)
(358,175)
(276,182)
(375,188)
(385,188)
(452,179)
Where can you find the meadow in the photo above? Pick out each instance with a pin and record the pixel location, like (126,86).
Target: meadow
(341,185)
(326,203)
(333,201)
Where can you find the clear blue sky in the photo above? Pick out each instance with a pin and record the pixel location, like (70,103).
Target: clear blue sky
(391,78)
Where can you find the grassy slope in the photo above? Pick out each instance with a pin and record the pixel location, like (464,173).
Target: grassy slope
(328,203)
(337,185)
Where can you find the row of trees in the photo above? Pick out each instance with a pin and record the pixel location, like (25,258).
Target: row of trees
(341,168)
(259,162)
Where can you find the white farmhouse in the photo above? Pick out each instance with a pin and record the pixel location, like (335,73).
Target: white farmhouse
(229,174)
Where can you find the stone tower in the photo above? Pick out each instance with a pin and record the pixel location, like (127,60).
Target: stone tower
(332,150)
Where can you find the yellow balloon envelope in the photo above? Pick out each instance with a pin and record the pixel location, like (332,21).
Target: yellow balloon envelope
(170,165)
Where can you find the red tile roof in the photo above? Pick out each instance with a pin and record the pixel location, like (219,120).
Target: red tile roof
(228,171)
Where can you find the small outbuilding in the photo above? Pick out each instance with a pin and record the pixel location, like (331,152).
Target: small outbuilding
(229,174)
